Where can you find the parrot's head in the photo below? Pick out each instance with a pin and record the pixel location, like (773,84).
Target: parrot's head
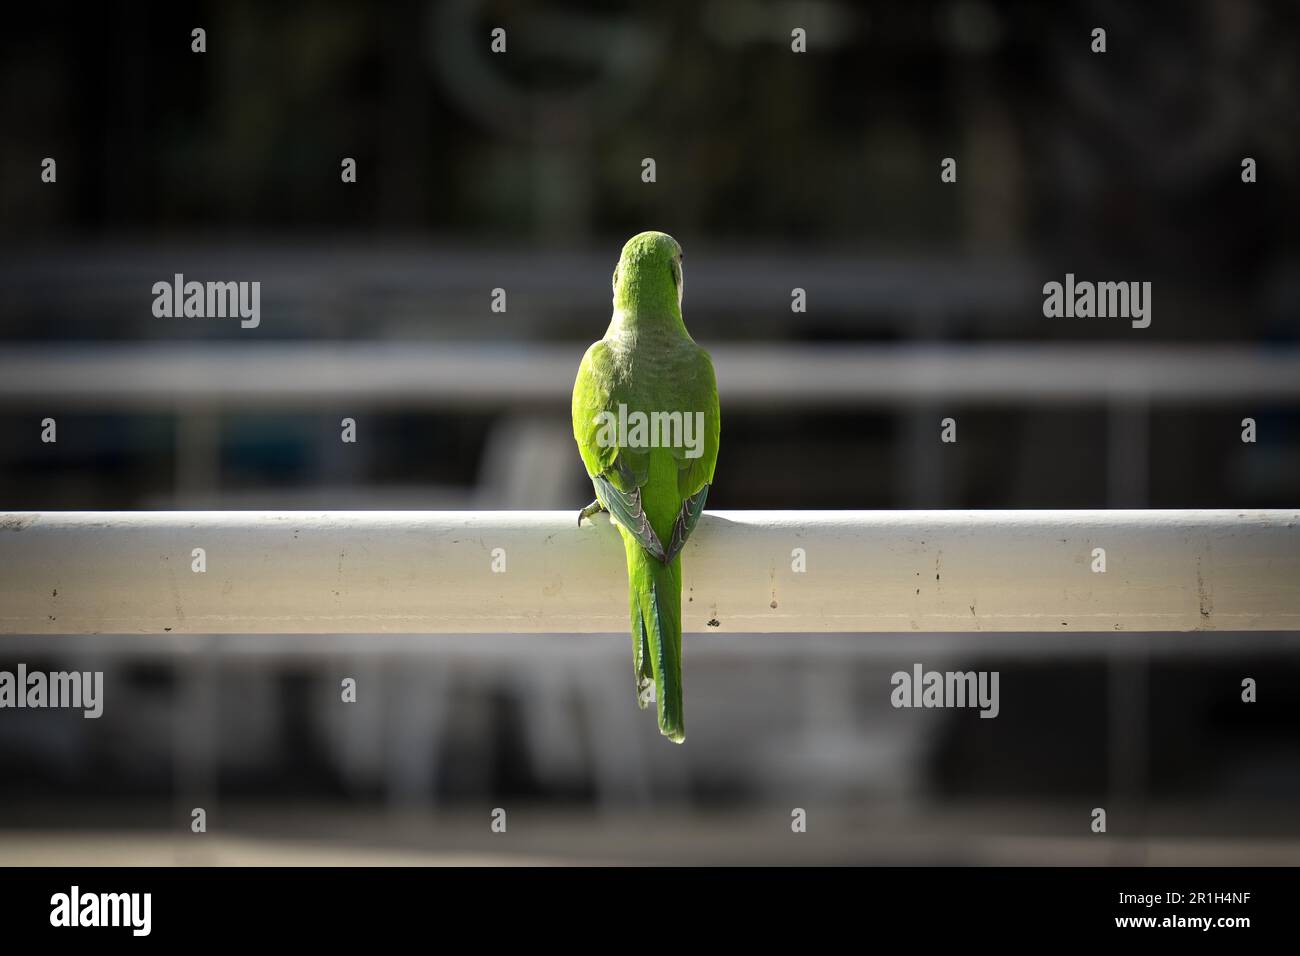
(649,274)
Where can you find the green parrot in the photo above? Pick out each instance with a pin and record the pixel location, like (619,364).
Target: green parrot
(651,480)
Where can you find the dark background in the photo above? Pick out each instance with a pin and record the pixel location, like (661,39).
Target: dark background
(775,170)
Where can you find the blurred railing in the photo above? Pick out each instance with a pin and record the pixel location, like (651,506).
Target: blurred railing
(456,375)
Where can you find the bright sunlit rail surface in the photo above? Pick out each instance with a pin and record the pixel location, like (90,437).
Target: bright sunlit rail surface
(420,572)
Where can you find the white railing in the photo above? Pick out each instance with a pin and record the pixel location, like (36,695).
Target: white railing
(751,572)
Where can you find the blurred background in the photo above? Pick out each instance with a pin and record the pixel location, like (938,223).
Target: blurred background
(775,171)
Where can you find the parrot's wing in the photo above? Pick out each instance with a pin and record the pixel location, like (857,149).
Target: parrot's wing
(695,475)
(617,473)
(627,510)
(687,518)
(592,395)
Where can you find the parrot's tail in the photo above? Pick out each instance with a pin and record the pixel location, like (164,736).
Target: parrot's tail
(655,596)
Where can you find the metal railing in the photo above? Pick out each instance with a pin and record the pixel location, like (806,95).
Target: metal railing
(744,572)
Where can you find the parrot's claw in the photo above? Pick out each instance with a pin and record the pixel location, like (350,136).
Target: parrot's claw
(594,508)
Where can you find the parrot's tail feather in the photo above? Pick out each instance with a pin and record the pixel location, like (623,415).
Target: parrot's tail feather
(655,597)
(641,657)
